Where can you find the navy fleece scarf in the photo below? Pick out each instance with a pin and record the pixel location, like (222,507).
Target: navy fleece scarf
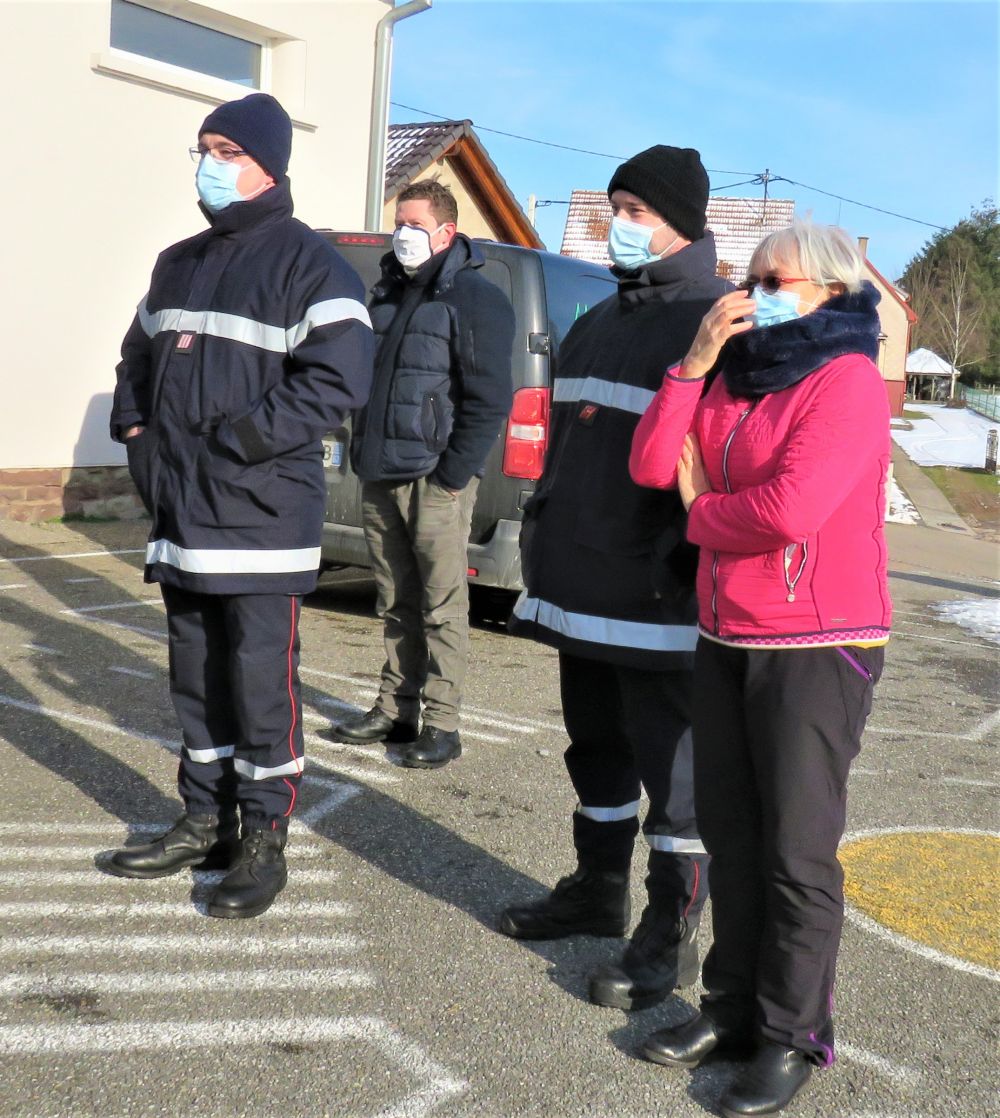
(766,360)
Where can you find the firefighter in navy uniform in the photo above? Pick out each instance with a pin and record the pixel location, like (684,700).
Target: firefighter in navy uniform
(252,342)
(610,583)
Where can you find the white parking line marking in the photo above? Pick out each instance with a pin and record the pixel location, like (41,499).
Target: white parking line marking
(73,555)
(18,986)
(140,910)
(981,729)
(184,1036)
(340,794)
(896,632)
(155,634)
(93,723)
(970,783)
(898,1073)
(38,853)
(91,878)
(15,586)
(115,827)
(89,578)
(42,648)
(133,672)
(132,604)
(198,943)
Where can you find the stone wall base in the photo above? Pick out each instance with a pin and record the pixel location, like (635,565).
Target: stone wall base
(106,492)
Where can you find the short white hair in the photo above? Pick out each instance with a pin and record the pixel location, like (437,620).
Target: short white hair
(825,254)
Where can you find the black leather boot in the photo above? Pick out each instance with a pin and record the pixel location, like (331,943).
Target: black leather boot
(205,841)
(589,902)
(685,1046)
(768,1083)
(256,878)
(662,955)
(432,750)
(373,725)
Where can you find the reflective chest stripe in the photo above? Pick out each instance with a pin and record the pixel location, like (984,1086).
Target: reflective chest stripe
(606,630)
(237,328)
(232,561)
(608,393)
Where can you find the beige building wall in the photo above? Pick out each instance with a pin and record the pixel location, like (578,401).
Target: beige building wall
(471,221)
(99,181)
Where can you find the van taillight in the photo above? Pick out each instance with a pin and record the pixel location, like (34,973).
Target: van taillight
(527,434)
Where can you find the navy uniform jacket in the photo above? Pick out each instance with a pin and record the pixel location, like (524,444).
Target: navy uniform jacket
(252,343)
(607,570)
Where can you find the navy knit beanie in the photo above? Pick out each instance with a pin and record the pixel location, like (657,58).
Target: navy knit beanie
(260,126)
(672,181)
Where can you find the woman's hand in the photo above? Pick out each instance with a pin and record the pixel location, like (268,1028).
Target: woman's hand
(716,328)
(692,480)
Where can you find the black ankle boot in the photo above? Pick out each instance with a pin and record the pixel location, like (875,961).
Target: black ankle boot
(588,902)
(685,1046)
(662,955)
(768,1083)
(256,878)
(206,841)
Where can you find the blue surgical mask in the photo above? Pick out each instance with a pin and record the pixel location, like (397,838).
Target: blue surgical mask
(216,183)
(782,306)
(628,243)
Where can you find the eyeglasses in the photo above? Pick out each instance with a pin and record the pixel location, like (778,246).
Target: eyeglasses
(771,283)
(223,155)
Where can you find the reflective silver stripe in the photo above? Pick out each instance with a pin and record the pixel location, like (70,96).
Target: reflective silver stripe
(255,772)
(325,314)
(609,814)
(670,845)
(625,397)
(236,328)
(232,561)
(606,630)
(204,756)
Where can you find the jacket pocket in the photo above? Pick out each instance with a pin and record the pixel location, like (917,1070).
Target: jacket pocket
(434,422)
(229,494)
(142,466)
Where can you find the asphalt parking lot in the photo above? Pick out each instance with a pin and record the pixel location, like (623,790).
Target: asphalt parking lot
(376,986)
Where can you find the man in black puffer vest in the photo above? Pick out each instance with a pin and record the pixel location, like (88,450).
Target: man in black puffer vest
(252,343)
(610,583)
(442,390)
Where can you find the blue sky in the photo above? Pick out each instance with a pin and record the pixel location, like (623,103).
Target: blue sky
(889,103)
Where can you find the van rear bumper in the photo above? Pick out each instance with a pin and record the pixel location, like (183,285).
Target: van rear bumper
(496,562)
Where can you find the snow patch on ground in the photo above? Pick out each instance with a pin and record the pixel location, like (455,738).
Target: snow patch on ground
(979,617)
(945,436)
(901,509)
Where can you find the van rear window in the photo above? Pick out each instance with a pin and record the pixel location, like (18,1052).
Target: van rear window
(571,289)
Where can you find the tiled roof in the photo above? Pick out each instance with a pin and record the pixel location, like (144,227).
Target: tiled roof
(739,225)
(412,148)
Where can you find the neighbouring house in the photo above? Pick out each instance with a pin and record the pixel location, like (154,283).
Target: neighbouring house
(897,320)
(739,225)
(451,151)
(929,377)
(103,100)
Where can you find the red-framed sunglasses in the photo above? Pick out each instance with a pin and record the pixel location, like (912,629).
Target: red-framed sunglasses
(770,283)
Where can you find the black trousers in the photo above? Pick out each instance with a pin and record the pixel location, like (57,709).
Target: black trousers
(775,732)
(235,687)
(630,729)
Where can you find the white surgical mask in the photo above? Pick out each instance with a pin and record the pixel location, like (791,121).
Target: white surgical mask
(412,246)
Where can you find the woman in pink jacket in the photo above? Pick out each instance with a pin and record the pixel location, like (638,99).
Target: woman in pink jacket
(782,465)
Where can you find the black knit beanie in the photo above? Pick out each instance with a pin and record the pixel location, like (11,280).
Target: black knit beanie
(672,181)
(260,126)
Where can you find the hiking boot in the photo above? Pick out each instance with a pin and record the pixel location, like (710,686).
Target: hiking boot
(589,902)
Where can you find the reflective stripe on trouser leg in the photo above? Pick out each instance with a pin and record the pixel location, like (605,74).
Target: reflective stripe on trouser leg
(198,649)
(264,642)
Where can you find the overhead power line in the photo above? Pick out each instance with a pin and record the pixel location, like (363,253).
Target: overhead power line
(758,178)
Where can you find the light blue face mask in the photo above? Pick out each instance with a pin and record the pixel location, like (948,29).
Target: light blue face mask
(628,243)
(216,183)
(782,306)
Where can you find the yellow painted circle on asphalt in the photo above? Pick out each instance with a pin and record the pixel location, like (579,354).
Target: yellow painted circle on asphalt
(938,888)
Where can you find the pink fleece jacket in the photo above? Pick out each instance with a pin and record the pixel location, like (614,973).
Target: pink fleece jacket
(792,537)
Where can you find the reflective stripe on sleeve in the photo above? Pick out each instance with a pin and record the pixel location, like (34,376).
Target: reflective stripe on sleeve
(325,314)
(232,561)
(609,393)
(606,630)
(609,814)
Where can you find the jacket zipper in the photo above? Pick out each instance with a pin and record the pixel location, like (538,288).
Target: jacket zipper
(792,582)
(725,477)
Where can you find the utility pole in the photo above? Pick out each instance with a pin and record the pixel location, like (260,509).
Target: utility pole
(765,179)
(532,206)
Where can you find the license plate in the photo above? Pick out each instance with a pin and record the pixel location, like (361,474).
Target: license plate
(333,454)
